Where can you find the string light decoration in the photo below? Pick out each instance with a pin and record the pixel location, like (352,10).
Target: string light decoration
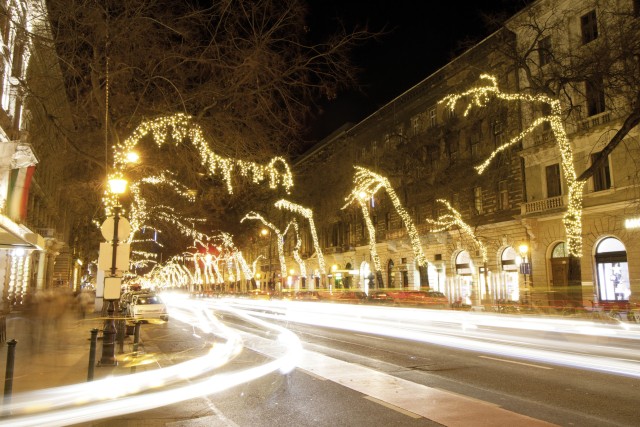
(293,225)
(180,127)
(454,219)
(279,238)
(363,199)
(481,95)
(367,184)
(308,214)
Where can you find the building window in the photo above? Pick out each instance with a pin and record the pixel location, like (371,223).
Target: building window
(387,221)
(455,201)
(613,270)
(544,51)
(554,187)
(477,199)
(503,194)
(451,113)
(434,156)
(594,92)
(602,175)
(589,27)
(433,118)
(453,149)
(474,142)
(498,133)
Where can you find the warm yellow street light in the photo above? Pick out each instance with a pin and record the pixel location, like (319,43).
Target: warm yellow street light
(117,185)
(132,157)
(334,268)
(264,231)
(523,248)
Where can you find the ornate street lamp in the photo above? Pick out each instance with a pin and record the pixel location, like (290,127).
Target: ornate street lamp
(117,186)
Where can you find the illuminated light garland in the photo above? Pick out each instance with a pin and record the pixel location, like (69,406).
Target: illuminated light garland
(279,239)
(371,229)
(180,127)
(480,96)
(179,188)
(308,214)
(296,249)
(367,184)
(454,219)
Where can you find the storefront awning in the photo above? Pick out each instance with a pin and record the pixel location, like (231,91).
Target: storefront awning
(16,236)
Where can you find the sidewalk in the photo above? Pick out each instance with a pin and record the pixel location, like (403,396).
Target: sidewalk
(52,353)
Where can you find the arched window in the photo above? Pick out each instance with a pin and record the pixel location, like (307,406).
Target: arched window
(508,260)
(613,270)
(464,266)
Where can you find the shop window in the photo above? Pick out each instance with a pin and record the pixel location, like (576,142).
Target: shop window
(554,187)
(602,175)
(464,282)
(589,27)
(612,270)
(391,275)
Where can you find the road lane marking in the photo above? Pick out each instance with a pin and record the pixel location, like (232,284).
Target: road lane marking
(394,407)
(517,363)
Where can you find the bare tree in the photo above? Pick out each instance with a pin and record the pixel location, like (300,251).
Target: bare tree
(244,69)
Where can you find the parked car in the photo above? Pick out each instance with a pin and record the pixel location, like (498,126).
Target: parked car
(427,299)
(259,294)
(147,306)
(380,297)
(307,296)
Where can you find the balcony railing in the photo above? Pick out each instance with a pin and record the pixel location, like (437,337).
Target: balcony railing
(540,206)
(594,121)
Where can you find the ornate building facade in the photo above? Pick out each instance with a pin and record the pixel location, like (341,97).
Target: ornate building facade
(31,229)
(500,234)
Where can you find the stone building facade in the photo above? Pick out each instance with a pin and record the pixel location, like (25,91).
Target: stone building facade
(31,229)
(514,246)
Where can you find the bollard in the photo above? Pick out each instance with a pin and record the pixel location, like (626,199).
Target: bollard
(136,341)
(136,338)
(121,327)
(8,379)
(92,353)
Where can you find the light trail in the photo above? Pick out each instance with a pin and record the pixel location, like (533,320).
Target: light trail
(120,395)
(571,343)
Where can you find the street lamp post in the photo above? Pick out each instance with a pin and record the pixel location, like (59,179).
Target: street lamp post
(117,186)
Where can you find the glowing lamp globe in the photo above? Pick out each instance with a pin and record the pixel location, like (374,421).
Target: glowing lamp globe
(117,185)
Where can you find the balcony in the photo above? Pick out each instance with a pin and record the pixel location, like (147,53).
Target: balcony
(543,206)
(594,121)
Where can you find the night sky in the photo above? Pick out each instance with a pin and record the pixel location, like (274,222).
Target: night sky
(421,37)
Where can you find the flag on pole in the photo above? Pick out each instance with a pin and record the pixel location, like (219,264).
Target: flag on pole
(18,194)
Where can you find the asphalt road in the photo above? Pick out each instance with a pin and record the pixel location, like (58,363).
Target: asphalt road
(348,378)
